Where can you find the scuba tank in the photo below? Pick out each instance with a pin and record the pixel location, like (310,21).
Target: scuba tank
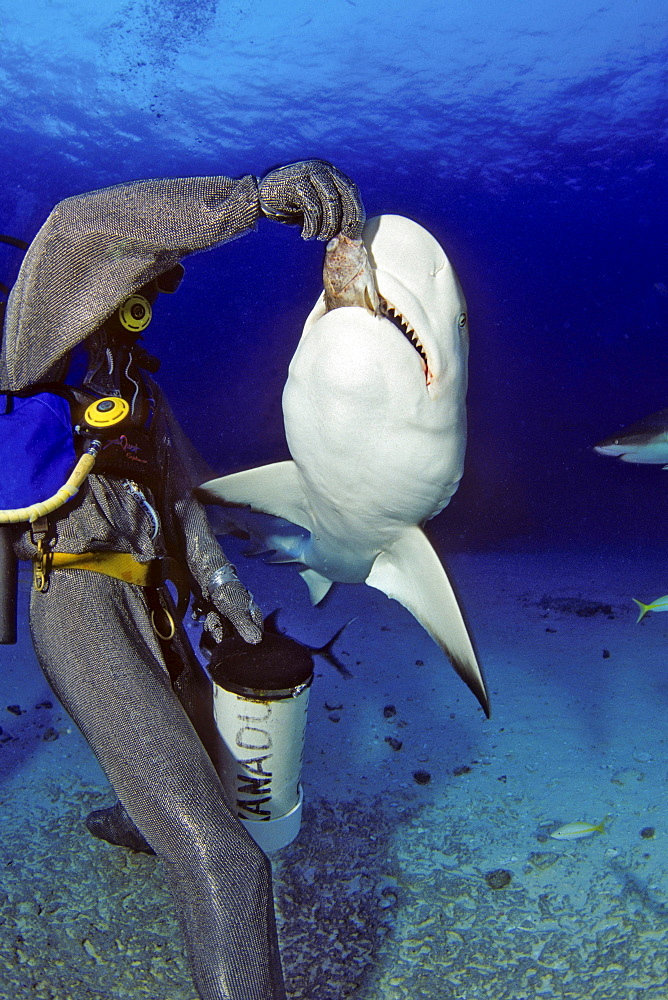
(8,561)
(8,586)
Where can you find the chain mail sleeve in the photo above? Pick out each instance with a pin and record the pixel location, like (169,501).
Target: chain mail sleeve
(189,537)
(96,249)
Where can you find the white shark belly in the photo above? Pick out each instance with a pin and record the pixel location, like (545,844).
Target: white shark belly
(371,443)
(345,540)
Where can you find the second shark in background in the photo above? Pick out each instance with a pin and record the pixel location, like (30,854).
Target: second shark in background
(645,442)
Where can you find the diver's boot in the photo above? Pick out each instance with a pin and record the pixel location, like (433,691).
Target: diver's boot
(115,826)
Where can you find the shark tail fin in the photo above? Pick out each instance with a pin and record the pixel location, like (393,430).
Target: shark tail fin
(644,608)
(411,573)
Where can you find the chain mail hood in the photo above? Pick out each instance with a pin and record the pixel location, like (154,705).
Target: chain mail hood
(96,249)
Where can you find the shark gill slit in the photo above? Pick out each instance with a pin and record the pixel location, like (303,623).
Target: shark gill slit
(402,324)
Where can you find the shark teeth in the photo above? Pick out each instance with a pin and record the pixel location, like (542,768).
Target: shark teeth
(402,324)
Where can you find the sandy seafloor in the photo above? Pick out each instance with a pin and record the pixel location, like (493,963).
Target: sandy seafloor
(383,896)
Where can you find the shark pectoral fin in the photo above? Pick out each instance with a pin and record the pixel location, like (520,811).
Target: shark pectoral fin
(411,573)
(318,586)
(274,489)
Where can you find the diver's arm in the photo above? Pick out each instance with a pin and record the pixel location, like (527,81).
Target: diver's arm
(188,534)
(178,216)
(215,575)
(96,249)
(169,218)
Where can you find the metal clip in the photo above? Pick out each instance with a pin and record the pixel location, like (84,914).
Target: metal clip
(163,624)
(42,567)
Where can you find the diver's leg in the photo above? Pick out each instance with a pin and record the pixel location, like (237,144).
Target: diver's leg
(113,825)
(194,690)
(93,638)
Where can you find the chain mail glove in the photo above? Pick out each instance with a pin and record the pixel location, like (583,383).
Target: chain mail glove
(232,602)
(316,196)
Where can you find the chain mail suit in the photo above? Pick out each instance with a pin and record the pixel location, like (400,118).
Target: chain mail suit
(148,724)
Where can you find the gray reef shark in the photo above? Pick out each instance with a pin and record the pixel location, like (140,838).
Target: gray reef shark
(645,442)
(375,420)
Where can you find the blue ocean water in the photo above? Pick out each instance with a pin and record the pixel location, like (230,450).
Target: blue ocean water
(531,139)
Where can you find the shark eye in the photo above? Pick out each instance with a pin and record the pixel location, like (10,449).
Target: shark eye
(462,320)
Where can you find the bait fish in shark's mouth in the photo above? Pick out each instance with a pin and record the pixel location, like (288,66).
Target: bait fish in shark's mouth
(349,281)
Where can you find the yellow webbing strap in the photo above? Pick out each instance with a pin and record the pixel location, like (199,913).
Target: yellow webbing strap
(120,565)
(65,493)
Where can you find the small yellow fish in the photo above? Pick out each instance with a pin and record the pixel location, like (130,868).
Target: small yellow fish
(573,831)
(660,604)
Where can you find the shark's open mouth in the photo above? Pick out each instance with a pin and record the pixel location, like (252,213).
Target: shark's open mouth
(402,324)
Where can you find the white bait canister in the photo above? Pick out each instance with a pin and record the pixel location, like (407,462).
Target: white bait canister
(260,707)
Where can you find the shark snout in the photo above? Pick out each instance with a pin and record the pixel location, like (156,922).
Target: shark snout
(644,442)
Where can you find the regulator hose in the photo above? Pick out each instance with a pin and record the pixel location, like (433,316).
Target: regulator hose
(65,493)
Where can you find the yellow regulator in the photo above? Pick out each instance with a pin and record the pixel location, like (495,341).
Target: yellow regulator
(106,412)
(135,313)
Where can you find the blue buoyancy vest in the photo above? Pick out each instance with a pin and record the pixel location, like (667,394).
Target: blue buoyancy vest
(36,447)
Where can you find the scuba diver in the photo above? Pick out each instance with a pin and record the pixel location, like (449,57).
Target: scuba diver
(104,625)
